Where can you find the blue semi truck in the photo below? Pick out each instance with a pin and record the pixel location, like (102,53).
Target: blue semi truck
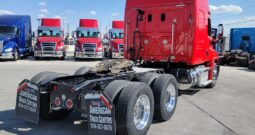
(242,47)
(15,36)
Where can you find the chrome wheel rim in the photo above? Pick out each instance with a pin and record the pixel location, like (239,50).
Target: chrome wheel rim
(171,98)
(142,112)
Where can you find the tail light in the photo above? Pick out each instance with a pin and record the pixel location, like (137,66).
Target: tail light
(57,101)
(55,87)
(69,103)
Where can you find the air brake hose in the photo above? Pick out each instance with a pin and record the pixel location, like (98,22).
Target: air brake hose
(134,56)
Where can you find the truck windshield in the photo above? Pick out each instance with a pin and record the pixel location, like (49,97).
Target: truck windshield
(7,30)
(116,34)
(49,33)
(88,33)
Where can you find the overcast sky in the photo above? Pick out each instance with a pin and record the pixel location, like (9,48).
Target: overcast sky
(232,13)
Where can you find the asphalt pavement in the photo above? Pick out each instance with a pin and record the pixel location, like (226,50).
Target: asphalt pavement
(228,109)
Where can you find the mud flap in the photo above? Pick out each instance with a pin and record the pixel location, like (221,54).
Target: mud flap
(101,114)
(28,102)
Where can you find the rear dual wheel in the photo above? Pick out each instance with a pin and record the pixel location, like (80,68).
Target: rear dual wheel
(165,91)
(134,104)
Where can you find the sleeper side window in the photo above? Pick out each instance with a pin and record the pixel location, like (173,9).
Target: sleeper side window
(149,17)
(163,17)
(209,27)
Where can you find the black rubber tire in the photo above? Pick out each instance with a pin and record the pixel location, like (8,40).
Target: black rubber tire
(149,78)
(114,89)
(222,61)
(125,109)
(252,63)
(84,70)
(16,55)
(64,56)
(213,84)
(45,77)
(40,76)
(110,54)
(77,59)
(160,96)
(45,110)
(242,62)
(37,58)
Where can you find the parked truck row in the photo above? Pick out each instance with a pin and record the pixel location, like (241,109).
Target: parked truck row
(16,39)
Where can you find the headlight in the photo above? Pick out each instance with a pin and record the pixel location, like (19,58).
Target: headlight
(100,49)
(8,50)
(60,48)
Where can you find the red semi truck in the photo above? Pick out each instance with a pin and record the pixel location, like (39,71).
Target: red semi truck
(176,34)
(50,41)
(116,35)
(116,98)
(88,45)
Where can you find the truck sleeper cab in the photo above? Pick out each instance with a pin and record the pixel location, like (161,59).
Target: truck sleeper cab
(50,43)
(15,36)
(116,35)
(174,33)
(88,45)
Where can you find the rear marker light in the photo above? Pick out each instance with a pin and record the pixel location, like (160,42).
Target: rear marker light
(69,104)
(57,101)
(55,88)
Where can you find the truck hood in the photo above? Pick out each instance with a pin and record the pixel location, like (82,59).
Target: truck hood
(4,37)
(49,39)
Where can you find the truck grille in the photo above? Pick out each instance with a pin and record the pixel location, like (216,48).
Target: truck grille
(48,48)
(89,49)
(1,47)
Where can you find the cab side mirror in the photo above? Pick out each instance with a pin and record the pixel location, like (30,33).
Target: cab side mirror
(33,35)
(220,30)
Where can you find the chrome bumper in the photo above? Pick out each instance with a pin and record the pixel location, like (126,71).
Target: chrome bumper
(6,55)
(96,55)
(53,54)
(116,55)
